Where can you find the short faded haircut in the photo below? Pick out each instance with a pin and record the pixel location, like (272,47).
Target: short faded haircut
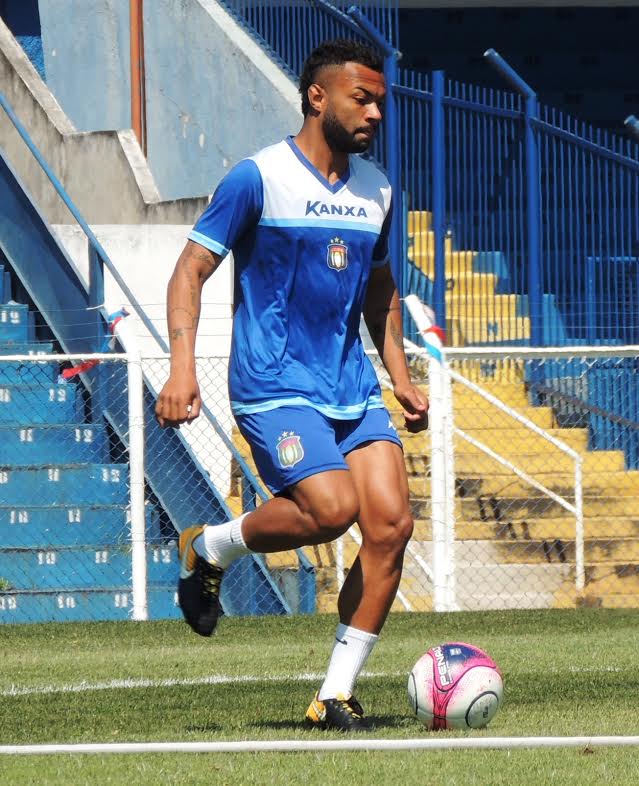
(336,53)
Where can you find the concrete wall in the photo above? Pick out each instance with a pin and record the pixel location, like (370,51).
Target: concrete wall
(145,257)
(104,173)
(213,96)
(87,60)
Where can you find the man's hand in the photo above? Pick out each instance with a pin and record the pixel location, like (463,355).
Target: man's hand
(414,405)
(179,402)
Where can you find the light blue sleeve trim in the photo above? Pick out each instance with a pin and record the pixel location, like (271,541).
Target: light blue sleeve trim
(347,412)
(207,242)
(314,222)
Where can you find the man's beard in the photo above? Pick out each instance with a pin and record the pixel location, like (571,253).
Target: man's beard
(339,139)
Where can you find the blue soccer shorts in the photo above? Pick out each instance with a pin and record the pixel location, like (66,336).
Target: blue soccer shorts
(291,443)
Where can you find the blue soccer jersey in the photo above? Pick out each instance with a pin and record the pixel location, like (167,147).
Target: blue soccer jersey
(303,249)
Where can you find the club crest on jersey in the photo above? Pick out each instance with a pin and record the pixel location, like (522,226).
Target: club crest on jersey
(337,256)
(289,449)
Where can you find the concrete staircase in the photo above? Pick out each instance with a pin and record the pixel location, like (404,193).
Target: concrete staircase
(64,500)
(524,538)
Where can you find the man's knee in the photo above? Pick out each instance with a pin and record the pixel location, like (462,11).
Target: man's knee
(391,533)
(335,516)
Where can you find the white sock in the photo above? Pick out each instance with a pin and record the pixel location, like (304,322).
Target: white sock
(350,652)
(222,543)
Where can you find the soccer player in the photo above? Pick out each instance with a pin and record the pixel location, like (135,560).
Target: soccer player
(307,220)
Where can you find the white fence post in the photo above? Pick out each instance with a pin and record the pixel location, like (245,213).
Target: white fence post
(136,480)
(438,484)
(449,452)
(442,504)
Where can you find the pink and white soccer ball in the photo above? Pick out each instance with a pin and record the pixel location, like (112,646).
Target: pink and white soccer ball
(455,686)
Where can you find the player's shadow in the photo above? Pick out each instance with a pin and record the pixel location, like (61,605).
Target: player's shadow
(377,722)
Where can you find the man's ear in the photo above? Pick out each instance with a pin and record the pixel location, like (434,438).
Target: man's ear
(316,97)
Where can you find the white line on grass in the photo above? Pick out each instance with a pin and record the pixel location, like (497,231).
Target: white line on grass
(253,746)
(214,679)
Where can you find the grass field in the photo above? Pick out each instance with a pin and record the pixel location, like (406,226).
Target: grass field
(566,673)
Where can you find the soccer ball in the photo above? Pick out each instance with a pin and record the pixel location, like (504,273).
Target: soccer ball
(455,686)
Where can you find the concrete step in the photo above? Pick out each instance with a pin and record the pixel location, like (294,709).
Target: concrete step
(474,330)
(64,485)
(533,506)
(489,418)
(521,440)
(39,372)
(491,371)
(418,221)
(508,439)
(35,404)
(597,601)
(82,568)
(53,443)
(512,393)
(471,285)
(509,600)
(16,323)
(421,244)
(492,308)
(65,525)
(606,551)
(535,529)
(455,262)
(621,577)
(503,484)
(84,605)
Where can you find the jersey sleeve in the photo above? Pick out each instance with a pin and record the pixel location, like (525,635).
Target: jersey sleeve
(236,206)
(381,252)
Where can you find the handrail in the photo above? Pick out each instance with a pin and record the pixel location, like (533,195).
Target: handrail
(509,74)
(632,125)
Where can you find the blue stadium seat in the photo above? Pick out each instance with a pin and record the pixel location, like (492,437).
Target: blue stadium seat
(65,484)
(29,404)
(13,372)
(16,323)
(44,526)
(82,568)
(48,443)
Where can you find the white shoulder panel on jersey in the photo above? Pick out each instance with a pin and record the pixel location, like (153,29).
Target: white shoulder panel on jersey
(296,195)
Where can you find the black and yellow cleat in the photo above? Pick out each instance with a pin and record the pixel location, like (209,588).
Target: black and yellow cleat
(343,713)
(199,584)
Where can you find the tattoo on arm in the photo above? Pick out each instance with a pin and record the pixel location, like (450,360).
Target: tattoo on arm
(396,334)
(190,318)
(204,255)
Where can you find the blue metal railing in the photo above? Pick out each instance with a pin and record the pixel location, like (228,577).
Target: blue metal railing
(536,205)
(289,31)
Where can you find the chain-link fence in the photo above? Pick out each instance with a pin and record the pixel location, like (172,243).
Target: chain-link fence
(524,490)
(536,506)
(75,522)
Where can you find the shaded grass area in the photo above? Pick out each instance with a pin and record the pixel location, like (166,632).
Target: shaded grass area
(566,673)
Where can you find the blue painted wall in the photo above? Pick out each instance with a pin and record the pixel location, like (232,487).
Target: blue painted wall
(87,62)
(208,105)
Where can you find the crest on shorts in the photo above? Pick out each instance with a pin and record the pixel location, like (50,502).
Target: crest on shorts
(289,449)
(337,256)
